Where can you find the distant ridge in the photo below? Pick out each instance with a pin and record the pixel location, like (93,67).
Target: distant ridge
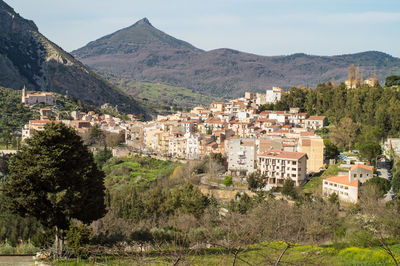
(29,58)
(142,52)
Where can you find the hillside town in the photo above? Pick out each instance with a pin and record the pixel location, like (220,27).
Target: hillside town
(278,144)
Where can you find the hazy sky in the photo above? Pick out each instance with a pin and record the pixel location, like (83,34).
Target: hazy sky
(265,27)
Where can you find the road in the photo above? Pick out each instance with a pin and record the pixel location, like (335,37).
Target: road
(383,169)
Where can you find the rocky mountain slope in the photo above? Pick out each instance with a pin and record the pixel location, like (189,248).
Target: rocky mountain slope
(29,58)
(143,53)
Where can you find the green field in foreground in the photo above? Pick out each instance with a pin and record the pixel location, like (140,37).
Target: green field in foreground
(266,254)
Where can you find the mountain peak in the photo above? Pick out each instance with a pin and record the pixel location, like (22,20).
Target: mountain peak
(143,21)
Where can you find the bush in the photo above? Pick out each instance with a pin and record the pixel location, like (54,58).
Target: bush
(6,249)
(27,249)
(227,181)
(78,237)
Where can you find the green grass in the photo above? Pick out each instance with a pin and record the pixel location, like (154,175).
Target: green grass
(315,182)
(137,170)
(260,254)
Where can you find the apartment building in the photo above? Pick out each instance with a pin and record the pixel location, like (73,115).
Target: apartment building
(241,156)
(279,165)
(315,122)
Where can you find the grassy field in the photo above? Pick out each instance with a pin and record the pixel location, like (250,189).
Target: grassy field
(138,170)
(261,254)
(165,98)
(315,183)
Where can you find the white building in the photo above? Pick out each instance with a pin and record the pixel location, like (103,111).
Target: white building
(280,165)
(241,156)
(192,145)
(274,95)
(315,122)
(344,186)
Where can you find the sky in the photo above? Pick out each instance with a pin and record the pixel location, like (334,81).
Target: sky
(264,27)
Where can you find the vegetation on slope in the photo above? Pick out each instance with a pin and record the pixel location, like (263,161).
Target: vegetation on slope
(143,53)
(164,99)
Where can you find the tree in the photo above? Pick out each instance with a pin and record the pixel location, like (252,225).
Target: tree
(288,188)
(392,81)
(102,157)
(331,151)
(383,185)
(396,182)
(114,139)
(344,133)
(96,135)
(333,198)
(55,179)
(255,181)
(370,151)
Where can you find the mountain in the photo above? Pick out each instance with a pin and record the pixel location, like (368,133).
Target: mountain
(29,58)
(143,53)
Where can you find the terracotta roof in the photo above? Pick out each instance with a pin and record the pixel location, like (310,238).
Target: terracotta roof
(307,134)
(343,180)
(283,154)
(366,167)
(43,122)
(316,118)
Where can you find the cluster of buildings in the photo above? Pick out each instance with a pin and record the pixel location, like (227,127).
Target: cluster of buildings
(80,121)
(279,144)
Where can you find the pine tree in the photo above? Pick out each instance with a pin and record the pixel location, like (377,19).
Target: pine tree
(54,179)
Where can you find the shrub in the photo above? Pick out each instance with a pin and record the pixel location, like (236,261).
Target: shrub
(6,249)
(227,181)
(78,237)
(26,249)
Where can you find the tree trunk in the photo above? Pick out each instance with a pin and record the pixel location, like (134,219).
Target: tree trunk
(56,243)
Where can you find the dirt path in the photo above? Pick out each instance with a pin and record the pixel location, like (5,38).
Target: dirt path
(16,260)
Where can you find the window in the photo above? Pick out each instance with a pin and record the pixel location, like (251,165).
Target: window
(294,162)
(360,175)
(293,175)
(299,168)
(326,183)
(293,169)
(346,187)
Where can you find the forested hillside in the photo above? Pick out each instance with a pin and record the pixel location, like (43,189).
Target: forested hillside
(361,114)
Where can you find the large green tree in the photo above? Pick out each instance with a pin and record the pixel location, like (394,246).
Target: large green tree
(370,151)
(54,178)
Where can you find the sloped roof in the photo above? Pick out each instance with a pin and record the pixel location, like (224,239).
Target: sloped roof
(343,180)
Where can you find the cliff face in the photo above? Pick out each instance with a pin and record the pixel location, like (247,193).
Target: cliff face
(143,53)
(29,58)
